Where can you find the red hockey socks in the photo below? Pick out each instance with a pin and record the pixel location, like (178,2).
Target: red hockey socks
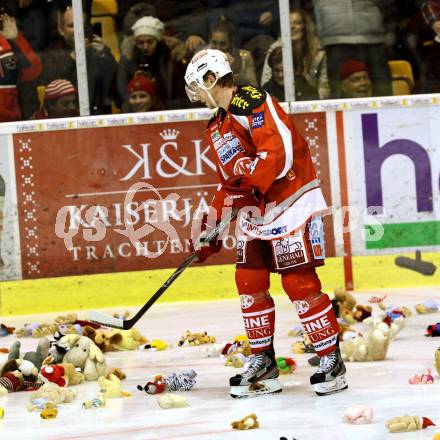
(259,320)
(320,324)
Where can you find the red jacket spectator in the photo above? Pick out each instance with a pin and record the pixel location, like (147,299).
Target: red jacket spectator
(18,62)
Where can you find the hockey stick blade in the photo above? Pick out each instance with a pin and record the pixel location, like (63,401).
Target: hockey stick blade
(126,324)
(107,320)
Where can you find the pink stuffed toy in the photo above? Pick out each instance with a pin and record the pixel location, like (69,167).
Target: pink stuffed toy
(358,414)
(422,378)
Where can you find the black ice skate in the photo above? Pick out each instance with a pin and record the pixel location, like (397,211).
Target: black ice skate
(330,377)
(260,377)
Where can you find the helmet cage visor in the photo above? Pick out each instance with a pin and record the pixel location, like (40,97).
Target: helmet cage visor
(192,89)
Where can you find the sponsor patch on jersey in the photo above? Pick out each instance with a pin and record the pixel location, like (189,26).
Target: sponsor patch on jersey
(241,249)
(257,120)
(316,237)
(215,136)
(289,251)
(229,151)
(218,143)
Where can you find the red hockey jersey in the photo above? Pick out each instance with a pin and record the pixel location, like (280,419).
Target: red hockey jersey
(257,140)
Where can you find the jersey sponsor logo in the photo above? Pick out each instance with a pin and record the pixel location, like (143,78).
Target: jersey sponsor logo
(257,120)
(218,143)
(289,251)
(246,301)
(252,91)
(228,136)
(240,102)
(249,227)
(242,166)
(229,151)
(316,237)
(215,135)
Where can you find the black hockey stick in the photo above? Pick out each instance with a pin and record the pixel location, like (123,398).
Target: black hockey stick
(125,324)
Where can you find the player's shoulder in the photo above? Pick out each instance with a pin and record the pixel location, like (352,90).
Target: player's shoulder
(246,99)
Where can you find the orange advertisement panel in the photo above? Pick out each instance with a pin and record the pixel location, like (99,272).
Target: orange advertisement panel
(96,200)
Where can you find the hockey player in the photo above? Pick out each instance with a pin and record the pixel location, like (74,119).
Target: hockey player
(265,168)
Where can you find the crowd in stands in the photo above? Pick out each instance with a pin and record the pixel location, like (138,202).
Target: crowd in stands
(340,49)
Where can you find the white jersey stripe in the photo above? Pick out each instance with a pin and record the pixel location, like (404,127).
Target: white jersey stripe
(242,120)
(317,315)
(286,136)
(263,312)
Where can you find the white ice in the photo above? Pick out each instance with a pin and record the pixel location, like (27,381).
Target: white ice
(296,413)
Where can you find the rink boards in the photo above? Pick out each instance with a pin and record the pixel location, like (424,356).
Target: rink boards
(92,203)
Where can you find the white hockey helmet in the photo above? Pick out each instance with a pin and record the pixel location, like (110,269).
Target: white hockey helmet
(206,60)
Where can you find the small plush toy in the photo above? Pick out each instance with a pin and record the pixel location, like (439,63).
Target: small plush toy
(2,412)
(97,402)
(358,414)
(437,360)
(84,354)
(36,357)
(301,347)
(50,411)
(190,338)
(211,351)
(169,400)
(5,330)
(343,304)
(429,306)
(297,331)
(156,345)
(374,347)
(61,374)
(422,378)
(408,423)
(53,393)
(286,365)
(361,312)
(111,387)
(18,374)
(114,339)
(248,422)
(183,381)
(433,330)
(156,386)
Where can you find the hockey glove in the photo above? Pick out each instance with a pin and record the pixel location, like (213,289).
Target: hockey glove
(204,248)
(241,196)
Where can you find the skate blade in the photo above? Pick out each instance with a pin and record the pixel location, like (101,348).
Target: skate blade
(268,386)
(335,386)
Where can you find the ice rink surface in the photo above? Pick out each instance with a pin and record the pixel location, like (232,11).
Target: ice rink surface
(296,413)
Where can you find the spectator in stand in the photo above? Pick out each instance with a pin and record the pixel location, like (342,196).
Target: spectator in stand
(185,21)
(142,96)
(353,29)
(309,58)
(355,80)
(223,37)
(60,101)
(59,63)
(304,91)
(18,62)
(431,14)
(145,53)
(31,18)
(429,80)
(257,24)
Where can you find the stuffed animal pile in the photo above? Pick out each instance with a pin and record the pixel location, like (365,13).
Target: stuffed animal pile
(190,338)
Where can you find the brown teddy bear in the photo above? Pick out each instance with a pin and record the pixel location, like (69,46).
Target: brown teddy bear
(343,304)
(248,422)
(115,340)
(190,338)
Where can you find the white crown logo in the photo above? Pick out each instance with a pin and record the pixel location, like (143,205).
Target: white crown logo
(169,134)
